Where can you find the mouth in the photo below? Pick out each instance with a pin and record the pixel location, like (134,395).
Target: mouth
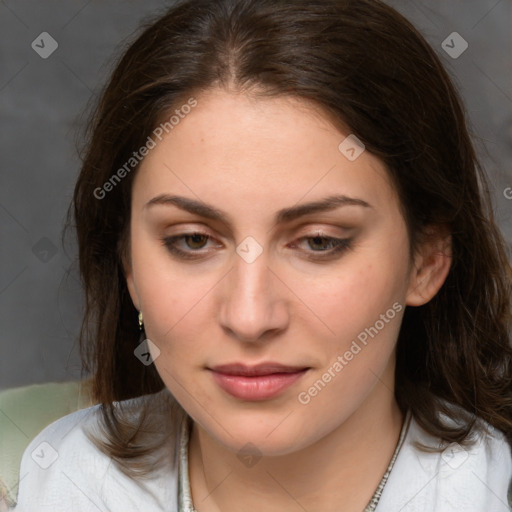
(256,383)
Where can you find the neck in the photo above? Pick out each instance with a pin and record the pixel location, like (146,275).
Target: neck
(344,467)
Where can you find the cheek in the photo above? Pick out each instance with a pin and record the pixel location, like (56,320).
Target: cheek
(363,311)
(360,294)
(173,306)
(363,307)
(171,297)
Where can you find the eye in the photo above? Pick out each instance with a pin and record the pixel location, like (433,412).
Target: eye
(198,240)
(324,247)
(193,243)
(320,242)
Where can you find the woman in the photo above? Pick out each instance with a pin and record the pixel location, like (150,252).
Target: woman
(285,198)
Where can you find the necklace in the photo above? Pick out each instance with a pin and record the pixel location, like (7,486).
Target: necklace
(184,496)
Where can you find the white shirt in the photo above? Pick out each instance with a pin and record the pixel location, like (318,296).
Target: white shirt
(61,470)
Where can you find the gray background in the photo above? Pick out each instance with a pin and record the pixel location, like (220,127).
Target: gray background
(42,104)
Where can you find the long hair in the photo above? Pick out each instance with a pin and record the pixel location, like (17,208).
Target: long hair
(367,68)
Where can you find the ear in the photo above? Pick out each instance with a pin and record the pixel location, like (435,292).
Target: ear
(431,265)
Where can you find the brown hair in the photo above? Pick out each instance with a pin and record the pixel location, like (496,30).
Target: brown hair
(365,67)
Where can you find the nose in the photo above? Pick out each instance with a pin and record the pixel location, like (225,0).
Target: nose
(254,305)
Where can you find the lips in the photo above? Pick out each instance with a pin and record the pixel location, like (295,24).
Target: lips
(240,369)
(256,383)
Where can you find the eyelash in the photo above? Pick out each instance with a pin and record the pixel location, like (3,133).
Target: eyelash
(340,245)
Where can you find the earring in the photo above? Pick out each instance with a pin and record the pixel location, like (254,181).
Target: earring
(142,331)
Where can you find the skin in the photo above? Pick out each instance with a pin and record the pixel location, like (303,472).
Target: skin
(251,157)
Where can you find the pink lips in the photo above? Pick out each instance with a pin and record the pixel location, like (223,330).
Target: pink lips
(259,382)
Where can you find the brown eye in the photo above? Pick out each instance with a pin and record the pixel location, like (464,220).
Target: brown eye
(319,242)
(196,240)
(188,245)
(324,247)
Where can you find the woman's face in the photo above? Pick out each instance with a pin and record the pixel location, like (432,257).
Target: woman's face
(233,261)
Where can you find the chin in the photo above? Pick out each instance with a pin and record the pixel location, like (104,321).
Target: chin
(266,436)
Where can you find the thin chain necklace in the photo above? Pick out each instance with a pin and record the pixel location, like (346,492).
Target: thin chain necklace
(185,499)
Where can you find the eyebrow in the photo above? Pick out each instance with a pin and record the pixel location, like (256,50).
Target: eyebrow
(285,215)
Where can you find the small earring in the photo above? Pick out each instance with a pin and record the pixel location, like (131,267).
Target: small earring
(142,331)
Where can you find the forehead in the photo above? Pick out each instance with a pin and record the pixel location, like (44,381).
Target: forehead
(268,151)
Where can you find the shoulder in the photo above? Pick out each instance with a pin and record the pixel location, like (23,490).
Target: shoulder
(472,478)
(62,466)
